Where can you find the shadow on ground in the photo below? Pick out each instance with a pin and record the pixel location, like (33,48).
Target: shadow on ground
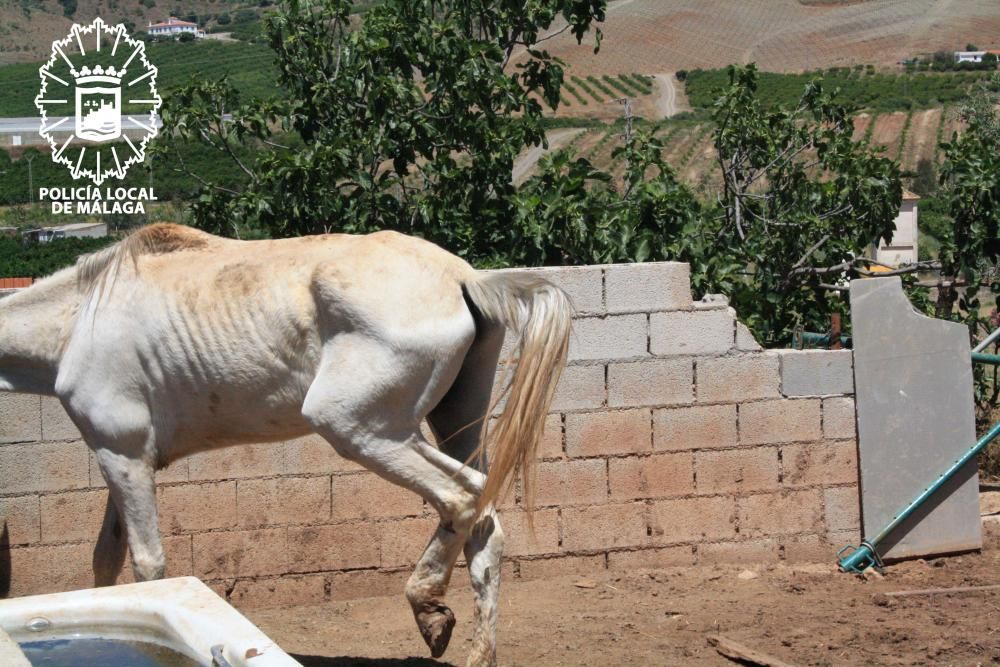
(348,661)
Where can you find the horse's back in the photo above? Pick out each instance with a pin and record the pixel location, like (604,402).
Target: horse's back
(225,336)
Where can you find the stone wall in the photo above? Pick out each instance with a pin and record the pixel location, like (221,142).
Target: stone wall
(673,440)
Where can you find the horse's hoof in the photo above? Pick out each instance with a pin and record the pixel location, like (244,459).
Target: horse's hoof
(436,623)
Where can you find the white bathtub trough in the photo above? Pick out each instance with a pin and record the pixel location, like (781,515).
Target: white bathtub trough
(181,614)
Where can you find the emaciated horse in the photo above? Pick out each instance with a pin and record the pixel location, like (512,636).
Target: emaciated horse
(174,341)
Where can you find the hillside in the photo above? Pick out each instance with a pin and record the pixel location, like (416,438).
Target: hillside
(655,36)
(28,27)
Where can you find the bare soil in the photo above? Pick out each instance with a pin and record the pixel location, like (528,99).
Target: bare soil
(804,615)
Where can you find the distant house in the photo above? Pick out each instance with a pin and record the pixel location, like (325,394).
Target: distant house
(73,230)
(173,27)
(902,248)
(969,56)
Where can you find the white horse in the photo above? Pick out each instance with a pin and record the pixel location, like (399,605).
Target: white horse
(174,341)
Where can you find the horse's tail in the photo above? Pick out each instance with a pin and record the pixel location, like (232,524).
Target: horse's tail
(541,314)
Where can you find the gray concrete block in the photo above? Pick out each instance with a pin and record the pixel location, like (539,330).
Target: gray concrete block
(691,332)
(648,287)
(816,372)
(20,418)
(915,419)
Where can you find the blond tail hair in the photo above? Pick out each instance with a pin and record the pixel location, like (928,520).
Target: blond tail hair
(541,315)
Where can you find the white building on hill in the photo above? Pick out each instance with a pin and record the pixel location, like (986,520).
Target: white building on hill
(173,27)
(969,56)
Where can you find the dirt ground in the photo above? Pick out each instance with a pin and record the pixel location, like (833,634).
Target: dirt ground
(805,615)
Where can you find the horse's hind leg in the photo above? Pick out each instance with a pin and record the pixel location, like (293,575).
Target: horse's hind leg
(109,554)
(457,422)
(367,400)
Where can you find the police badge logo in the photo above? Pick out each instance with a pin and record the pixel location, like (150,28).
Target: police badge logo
(98,77)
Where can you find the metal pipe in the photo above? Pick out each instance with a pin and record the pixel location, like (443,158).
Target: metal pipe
(993,359)
(866,555)
(987,341)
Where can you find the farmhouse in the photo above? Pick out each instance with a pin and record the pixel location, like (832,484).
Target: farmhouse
(73,230)
(173,27)
(969,56)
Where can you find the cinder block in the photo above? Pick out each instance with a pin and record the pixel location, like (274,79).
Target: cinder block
(604,527)
(367,496)
(784,513)
(20,519)
(737,379)
(32,571)
(519,539)
(651,559)
(583,284)
(808,549)
(820,464)
(839,420)
(692,332)
(283,501)
(561,566)
(647,287)
(56,424)
(239,462)
(285,591)
(366,584)
(551,444)
(572,482)
(602,433)
(190,507)
(75,516)
(653,382)
(313,455)
(346,546)
(401,542)
(737,470)
(242,553)
(817,372)
(695,427)
(610,337)
(657,476)
(772,422)
(843,511)
(580,388)
(20,418)
(693,520)
(745,341)
(748,552)
(44,466)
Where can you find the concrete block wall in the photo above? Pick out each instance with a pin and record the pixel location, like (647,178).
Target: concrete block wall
(673,440)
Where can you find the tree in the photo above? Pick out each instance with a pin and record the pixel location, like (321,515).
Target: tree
(408,121)
(801,204)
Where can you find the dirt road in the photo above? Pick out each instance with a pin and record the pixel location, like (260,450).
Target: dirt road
(668,101)
(801,615)
(525,163)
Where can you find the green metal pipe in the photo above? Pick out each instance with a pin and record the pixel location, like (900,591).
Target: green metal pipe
(811,339)
(979,358)
(866,554)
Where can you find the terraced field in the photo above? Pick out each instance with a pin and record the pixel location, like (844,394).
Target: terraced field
(908,137)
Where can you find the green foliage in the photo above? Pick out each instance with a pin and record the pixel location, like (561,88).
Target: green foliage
(407,121)
(250,68)
(36,260)
(801,202)
(876,92)
(970,244)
